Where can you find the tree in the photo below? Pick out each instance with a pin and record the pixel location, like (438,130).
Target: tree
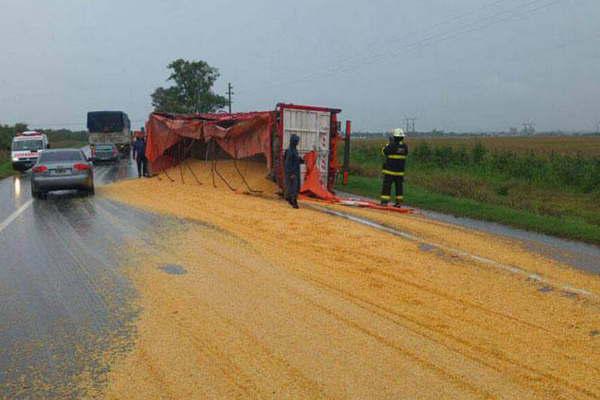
(7,132)
(192,89)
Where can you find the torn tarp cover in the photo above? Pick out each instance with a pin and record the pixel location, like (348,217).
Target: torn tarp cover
(239,135)
(313,185)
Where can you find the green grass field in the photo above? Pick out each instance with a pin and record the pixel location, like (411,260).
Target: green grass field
(544,186)
(5,168)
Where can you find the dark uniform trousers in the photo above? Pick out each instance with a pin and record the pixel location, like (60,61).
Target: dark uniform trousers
(142,165)
(386,190)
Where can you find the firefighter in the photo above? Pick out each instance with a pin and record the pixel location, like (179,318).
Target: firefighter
(292,161)
(393,168)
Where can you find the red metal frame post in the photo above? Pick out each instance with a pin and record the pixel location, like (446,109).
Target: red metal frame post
(280,129)
(347,151)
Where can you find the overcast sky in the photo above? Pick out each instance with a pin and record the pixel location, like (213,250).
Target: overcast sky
(461,65)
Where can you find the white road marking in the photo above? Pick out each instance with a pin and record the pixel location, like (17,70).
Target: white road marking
(14,215)
(461,253)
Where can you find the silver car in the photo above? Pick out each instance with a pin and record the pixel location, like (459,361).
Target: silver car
(105,152)
(61,169)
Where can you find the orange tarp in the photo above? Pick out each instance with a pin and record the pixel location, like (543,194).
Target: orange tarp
(239,135)
(313,185)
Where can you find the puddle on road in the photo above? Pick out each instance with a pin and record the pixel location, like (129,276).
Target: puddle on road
(546,289)
(173,269)
(569,294)
(426,247)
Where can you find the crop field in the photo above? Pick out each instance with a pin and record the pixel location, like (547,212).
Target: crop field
(588,146)
(564,145)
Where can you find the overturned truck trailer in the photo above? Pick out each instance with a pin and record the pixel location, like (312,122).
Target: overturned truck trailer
(171,138)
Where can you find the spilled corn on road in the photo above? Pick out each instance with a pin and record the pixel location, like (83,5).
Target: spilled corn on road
(230,295)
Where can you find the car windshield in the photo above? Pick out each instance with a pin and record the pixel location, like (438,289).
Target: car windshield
(67,155)
(21,145)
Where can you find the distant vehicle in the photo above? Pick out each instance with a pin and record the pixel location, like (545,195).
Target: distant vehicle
(25,149)
(61,169)
(109,127)
(105,152)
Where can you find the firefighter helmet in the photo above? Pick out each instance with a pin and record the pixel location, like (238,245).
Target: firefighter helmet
(399,132)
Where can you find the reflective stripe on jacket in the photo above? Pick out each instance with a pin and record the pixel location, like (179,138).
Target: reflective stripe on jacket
(395,158)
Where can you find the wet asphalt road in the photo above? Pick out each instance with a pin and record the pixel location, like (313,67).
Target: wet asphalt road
(63,301)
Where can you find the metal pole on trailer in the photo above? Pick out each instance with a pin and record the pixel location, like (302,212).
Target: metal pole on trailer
(347,151)
(212,163)
(185,153)
(164,170)
(180,156)
(241,175)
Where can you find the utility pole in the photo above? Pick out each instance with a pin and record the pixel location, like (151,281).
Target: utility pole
(528,128)
(410,125)
(229,93)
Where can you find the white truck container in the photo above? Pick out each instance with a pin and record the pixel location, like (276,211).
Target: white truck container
(25,149)
(314,127)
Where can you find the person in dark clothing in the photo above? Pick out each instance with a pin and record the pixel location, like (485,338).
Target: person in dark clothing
(393,168)
(292,161)
(139,154)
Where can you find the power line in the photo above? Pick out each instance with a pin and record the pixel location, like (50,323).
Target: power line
(509,14)
(528,128)
(410,125)
(372,44)
(457,61)
(473,27)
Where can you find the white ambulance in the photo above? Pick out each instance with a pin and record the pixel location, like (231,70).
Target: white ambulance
(25,149)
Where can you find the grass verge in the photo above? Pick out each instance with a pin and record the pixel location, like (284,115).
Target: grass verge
(566,226)
(5,169)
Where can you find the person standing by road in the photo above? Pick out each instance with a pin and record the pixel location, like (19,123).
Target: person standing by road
(393,168)
(139,154)
(292,161)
